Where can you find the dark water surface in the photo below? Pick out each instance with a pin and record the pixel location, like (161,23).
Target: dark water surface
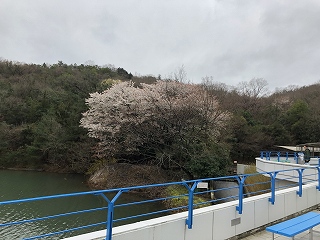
(29,184)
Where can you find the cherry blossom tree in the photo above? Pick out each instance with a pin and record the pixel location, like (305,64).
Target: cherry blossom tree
(168,123)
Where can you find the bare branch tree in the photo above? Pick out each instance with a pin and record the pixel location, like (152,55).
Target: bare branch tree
(255,88)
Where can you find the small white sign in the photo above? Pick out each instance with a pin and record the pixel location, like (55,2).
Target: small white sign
(202,185)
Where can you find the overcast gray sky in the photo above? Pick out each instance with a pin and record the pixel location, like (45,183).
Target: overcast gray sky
(229,40)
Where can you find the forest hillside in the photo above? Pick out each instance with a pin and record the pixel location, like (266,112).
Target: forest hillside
(41,107)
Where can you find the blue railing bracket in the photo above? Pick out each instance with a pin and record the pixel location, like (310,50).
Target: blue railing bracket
(241,180)
(110,215)
(300,171)
(318,187)
(273,175)
(189,220)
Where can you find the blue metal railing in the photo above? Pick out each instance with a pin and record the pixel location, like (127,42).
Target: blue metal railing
(283,156)
(279,156)
(192,198)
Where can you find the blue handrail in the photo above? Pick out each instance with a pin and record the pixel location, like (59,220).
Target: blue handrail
(242,187)
(282,156)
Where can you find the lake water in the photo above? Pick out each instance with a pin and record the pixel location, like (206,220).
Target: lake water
(29,184)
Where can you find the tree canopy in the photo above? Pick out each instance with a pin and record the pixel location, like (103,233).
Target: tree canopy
(168,123)
(40,109)
(173,124)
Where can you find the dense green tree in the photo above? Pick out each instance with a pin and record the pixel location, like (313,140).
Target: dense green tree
(208,159)
(297,120)
(40,109)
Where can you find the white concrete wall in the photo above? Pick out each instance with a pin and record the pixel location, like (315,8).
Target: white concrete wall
(241,168)
(310,173)
(217,222)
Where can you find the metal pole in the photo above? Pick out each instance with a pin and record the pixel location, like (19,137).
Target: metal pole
(189,220)
(272,199)
(318,187)
(300,171)
(110,215)
(241,184)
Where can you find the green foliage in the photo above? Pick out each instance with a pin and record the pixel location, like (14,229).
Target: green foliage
(124,74)
(180,194)
(208,160)
(277,131)
(41,106)
(297,121)
(108,83)
(40,109)
(249,118)
(287,117)
(247,138)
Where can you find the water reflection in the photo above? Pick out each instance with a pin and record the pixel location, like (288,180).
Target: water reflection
(23,184)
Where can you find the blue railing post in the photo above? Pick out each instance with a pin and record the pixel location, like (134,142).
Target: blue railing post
(296,157)
(110,215)
(273,175)
(240,180)
(300,171)
(189,220)
(318,187)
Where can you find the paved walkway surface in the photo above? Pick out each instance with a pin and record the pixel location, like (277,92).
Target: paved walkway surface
(264,235)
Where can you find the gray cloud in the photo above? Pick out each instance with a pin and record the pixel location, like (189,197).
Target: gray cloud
(230,40)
